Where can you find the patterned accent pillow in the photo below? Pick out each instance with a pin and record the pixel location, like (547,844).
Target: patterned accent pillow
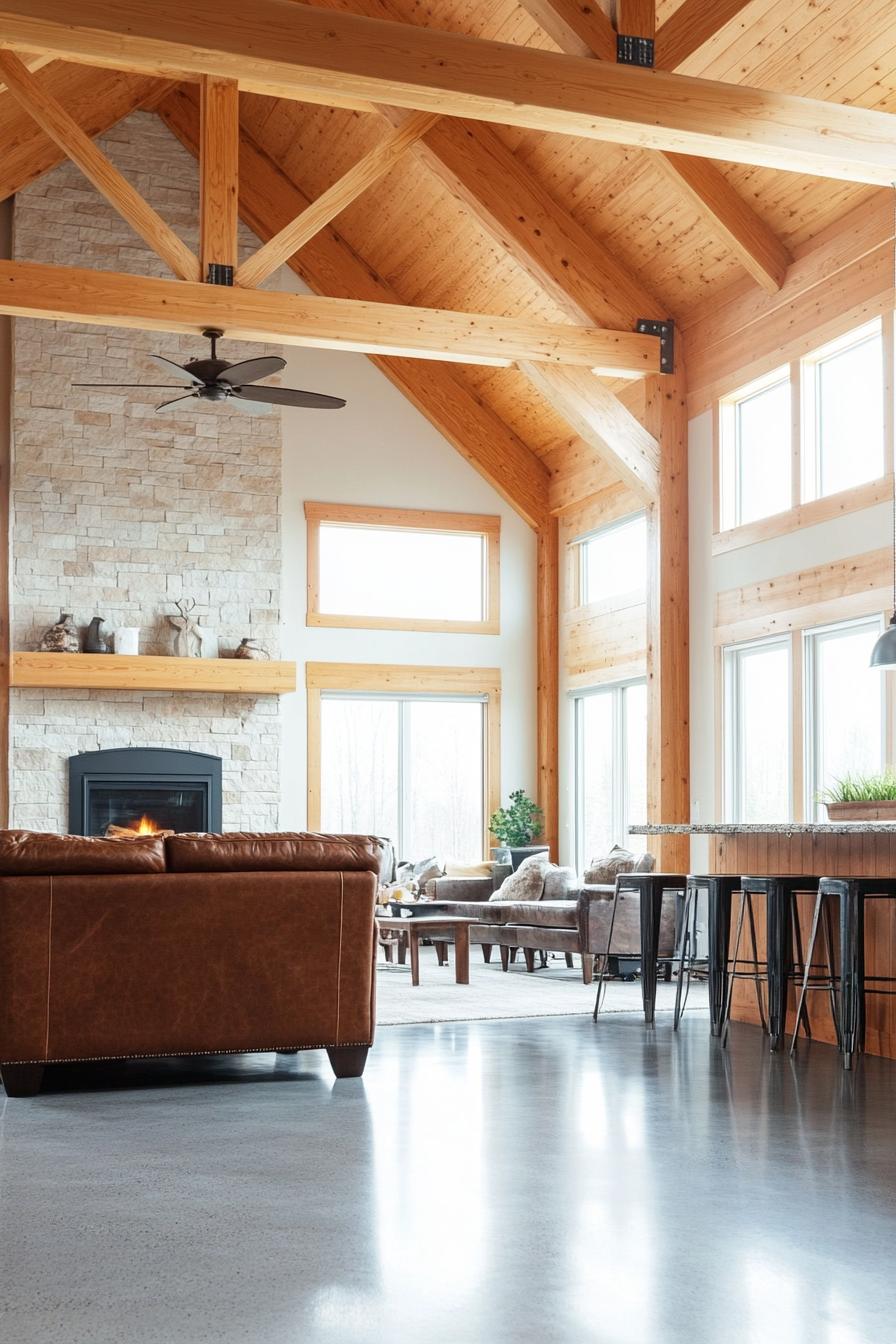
(603,871)
(559,883)
(527,883)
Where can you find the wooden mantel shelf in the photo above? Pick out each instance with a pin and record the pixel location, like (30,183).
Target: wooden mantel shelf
(121,672)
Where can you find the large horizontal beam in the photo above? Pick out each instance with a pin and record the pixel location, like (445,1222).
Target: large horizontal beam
(299,51)
(104,298)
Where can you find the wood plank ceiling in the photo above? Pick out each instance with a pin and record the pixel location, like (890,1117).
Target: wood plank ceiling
(416,232)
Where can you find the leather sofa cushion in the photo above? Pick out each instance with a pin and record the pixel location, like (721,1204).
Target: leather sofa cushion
(39,854)
(260,852)
(538,914)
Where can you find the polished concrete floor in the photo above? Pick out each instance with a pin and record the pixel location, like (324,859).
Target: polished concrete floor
(543,1180)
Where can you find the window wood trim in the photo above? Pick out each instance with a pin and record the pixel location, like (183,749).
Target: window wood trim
(405,679)
(415,520)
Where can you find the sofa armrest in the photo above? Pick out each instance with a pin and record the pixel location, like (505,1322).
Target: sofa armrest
(595,910)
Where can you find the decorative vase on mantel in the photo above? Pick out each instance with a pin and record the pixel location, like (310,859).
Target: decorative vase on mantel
(95,640)
(61,637)
(248,648)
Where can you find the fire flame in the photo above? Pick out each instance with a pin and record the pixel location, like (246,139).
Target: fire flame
(146,826)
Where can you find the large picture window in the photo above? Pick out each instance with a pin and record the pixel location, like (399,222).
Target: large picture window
(409,753)
(610,766)
(402,569)
(843,707)
(758,732)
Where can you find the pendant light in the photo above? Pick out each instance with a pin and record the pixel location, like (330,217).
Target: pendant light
(883,654)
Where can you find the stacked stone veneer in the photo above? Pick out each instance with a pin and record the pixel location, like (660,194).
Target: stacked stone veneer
(118,510)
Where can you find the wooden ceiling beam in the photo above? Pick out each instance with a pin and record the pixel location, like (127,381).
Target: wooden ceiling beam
(269,200)
(636,18)
(369,169)
(31,63)
(732,220)
(125,199)
(105,298)
(219,124)
(692,24)
(297,51)
(601,419)
(578,27)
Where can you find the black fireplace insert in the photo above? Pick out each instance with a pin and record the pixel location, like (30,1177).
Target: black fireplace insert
(144,789)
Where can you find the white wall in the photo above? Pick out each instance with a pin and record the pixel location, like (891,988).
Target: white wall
(851,534)
(381,450)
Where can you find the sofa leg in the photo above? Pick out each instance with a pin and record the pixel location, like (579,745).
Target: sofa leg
(486,952)
(22,1080)
(348,1061)
(529,955)
(568,956)
(442,953)
(587,968)
(513,952)
(505,957)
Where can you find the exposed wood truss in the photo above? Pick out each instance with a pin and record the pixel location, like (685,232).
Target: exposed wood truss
(730,217)
(256,269)
(268,200)
(66,132)
(692,24)
(302,51)
(105,298)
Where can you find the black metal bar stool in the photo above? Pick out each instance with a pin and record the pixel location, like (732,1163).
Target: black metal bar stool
(852,893)
(651,888)
(782,938)
(720,889)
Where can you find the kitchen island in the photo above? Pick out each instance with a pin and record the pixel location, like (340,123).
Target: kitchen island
(817,849)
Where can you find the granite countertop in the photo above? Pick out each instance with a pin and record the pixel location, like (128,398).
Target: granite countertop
(766,828)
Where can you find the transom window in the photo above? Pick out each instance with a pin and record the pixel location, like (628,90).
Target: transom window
(610,724)
(758,731)
(402,569)
(806,431)
(756,465)
(843,413)
(613,560)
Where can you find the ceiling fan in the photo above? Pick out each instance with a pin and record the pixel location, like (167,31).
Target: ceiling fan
(213,379)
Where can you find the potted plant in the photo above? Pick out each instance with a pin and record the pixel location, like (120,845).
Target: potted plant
(517,825)
(862,797)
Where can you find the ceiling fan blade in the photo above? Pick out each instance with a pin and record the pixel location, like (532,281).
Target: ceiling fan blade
(187,396)
(162,386)
(175,371)
(250,370)
(255,408)
(289,396)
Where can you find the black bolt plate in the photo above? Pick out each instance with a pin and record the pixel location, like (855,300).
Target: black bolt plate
(649,326)
(634,50)
(218,274)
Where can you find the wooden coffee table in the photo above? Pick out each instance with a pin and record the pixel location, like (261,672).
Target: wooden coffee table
(430,926)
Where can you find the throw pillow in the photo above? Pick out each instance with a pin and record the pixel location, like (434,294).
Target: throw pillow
(468,869)
(644,863)
(558,883)
(527,883)
(425,870)
(603,871)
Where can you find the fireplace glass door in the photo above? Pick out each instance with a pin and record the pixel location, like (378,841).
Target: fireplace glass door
(145,808)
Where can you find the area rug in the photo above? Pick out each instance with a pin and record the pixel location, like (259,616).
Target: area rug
(553,992)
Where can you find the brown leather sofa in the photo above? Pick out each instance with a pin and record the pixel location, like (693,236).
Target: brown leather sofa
(183,945)
(580,924)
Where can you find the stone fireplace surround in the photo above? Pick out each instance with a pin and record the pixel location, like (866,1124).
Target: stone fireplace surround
(119,511)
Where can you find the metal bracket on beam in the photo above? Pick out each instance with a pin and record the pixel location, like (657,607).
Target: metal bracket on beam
(634,50)
(649,326)
(218,274)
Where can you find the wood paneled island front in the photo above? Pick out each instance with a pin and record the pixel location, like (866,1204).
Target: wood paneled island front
(816,849)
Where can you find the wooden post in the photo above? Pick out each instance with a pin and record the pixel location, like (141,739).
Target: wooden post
(668,693)
(219,133)
(547,706)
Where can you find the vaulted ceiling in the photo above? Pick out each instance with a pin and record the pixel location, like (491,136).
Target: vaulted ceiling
(496,219)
